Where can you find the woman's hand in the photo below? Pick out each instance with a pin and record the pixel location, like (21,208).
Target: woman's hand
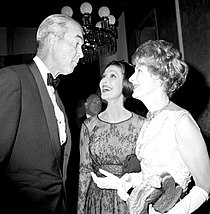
(109,182)
(122,185)
(152,210)
(122,189)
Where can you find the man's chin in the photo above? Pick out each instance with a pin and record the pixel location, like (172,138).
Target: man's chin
(73,65)
(71,69)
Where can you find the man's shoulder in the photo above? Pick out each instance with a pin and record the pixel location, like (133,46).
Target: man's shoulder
(14,68)
(16,72)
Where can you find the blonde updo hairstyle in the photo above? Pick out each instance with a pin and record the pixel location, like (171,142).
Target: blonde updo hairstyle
(163,60)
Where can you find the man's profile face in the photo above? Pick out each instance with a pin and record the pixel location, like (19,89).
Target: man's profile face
(68,51)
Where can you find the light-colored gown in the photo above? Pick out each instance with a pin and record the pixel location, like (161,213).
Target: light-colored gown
(157,148)
(104,145)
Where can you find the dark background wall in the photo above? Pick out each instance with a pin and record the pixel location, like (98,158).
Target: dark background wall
(195,16)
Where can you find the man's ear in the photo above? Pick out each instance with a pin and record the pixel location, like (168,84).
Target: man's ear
(52,39)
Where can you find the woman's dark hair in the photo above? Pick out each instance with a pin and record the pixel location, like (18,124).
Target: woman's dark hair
(127,71)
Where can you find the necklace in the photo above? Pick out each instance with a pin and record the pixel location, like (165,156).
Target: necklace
(151,115)
(145,135)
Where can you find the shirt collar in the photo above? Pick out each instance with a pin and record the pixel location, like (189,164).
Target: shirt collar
(43,70)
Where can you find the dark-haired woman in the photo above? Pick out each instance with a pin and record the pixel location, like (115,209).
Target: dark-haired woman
(105,141)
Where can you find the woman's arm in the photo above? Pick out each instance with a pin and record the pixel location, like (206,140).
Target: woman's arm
(84,169)
(194,151)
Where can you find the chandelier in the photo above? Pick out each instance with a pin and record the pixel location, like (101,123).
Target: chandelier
(99,39)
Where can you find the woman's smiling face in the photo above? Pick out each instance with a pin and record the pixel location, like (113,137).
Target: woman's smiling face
(111,83)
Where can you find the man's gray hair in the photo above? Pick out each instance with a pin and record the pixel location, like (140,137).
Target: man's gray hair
(57,24)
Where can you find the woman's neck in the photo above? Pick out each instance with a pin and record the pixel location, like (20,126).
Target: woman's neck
(115,113)
(157,102)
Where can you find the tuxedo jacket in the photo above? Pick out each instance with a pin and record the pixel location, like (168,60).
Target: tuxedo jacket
(33,164)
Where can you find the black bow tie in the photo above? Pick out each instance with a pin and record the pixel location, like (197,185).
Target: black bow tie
(51,81)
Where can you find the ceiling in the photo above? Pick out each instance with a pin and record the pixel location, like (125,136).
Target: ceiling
(26,13)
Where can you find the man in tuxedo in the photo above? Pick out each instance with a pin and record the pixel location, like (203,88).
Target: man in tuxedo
(35,139)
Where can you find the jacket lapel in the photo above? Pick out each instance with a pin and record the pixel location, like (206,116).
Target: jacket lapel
(67,149)
(49,111)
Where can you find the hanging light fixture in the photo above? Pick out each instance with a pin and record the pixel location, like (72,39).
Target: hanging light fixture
(99,39)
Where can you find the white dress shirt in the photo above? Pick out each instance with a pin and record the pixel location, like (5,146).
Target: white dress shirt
(58,113)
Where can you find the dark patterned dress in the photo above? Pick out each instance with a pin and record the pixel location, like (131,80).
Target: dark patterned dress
(104,145)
